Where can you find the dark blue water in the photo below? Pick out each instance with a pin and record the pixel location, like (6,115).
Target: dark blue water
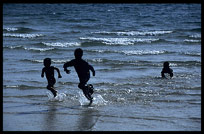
(125,43)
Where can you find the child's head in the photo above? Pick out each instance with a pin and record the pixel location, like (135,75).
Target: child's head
(166,64)
(78,53)
(47,62)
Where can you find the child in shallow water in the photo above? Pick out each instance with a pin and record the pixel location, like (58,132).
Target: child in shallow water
(49,71)
(166,69)
(82,68)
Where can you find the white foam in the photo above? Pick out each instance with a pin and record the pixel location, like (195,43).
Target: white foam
(60,44)
(97,99)
(60,61)
(142,52)
(53,61)
(133,33)
(195,36)
(120,41)
(22,35)
(97,60)
(10,29)
(38,61)
(39,49)
(187,40)
(59,97)
(12,86)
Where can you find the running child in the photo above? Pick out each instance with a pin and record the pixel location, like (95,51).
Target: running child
(49,72)
(82,68)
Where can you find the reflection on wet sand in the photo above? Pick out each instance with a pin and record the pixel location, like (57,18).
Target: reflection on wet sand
(50,118)
(87,119)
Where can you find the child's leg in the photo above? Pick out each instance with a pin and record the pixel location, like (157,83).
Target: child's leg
(90,88)
(51,88)
(85,90)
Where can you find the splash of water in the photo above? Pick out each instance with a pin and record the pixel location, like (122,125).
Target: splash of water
(59,97)
(98,100)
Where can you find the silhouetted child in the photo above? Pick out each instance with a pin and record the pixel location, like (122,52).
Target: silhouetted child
(49,71)
(166,69)
(82,68)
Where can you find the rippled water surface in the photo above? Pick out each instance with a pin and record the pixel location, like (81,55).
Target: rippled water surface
(126,44)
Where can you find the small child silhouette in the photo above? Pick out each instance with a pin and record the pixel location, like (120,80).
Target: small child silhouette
(82,68)
(166,69)
(49,71)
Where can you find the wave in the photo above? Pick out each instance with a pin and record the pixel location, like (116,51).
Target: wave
(195,36)
(10,29)
(39,49)
(41,61)
(186,63)
(119,41)
(18,29)
(192,54)
(142,63)
(134,33)
(143,52)
(43,46)
(60,44)
(22,35)
(31,48)
(134,52)
(14,47)
(192,41)
(22,86)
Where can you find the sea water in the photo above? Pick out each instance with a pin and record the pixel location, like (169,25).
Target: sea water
(126,44)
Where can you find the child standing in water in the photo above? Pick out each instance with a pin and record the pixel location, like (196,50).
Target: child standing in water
(166,69)
(49,71)
(82,68)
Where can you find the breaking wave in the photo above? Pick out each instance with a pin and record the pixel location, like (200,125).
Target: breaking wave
(119,41)
(134,33)
(22,35)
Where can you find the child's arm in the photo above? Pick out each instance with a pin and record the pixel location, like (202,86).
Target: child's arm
(92,69)
(43,71)
(68,64)
(59,75)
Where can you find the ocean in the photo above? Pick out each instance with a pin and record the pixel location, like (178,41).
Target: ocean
(126,44)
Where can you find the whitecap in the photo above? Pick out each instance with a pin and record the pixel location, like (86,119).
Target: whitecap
(60,44)
(39,49)
(192,41)
(120,41)
(22,35)
(195,36)
(143,52)
(10,29)
(134,33)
